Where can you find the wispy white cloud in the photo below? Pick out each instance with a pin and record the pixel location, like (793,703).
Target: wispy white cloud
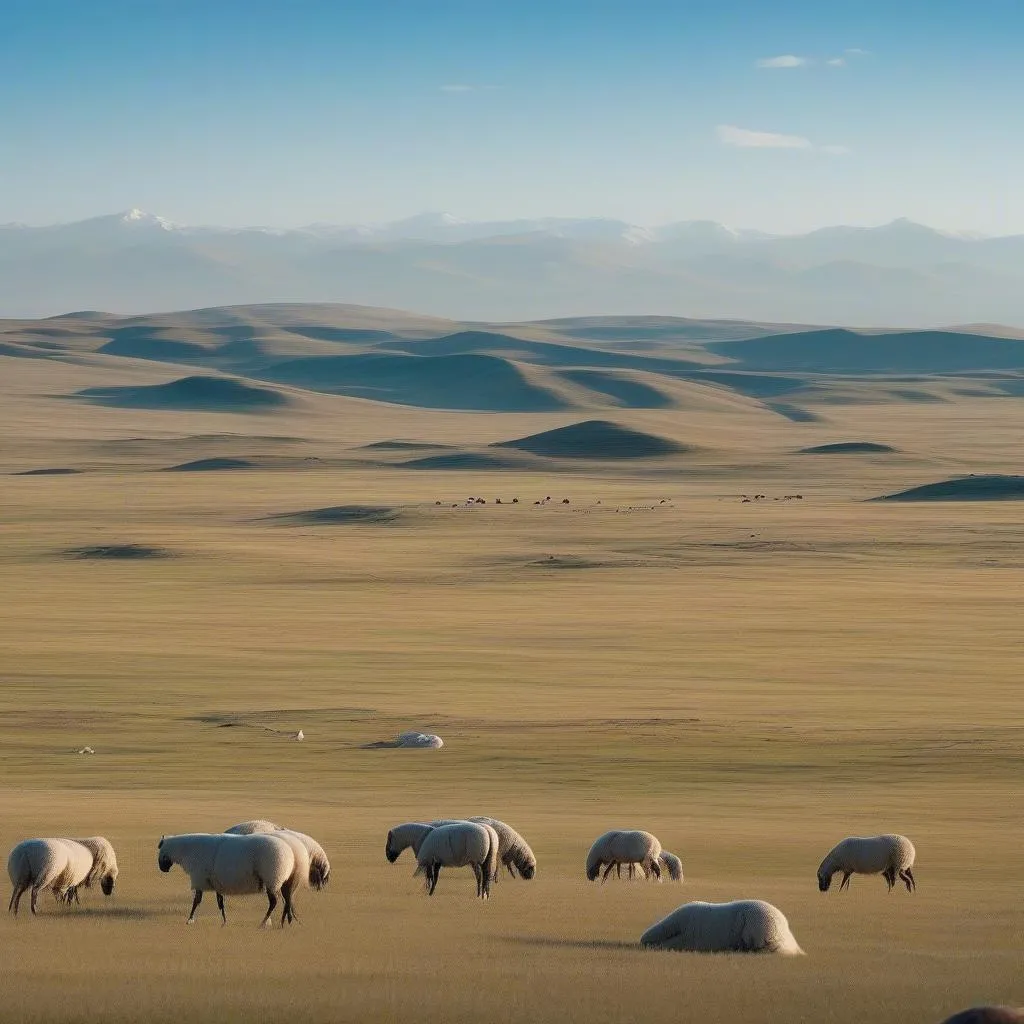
(746,138)
(786,60)
(790,60)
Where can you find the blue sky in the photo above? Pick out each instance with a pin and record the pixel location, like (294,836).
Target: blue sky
(290,112)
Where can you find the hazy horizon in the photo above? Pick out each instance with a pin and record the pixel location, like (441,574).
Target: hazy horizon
(130,211)
(781,119)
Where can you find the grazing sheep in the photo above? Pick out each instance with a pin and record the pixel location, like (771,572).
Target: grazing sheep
(745,926)
(988,1015)
(889,856)
(60,865)
(513,850)
(412,833)
(237,865)
(617,847)
(319,865)
(673,865)
(461,844)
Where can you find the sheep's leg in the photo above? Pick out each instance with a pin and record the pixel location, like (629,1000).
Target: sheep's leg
(220,907)
(655,868)
(511,870)
(12,907)
(479,879)
(908,879)
(271,906)
(845,883)
(288,914)
(195,905)
(434,876)
(913,880)
(608,871)
(890,877)
(35,897)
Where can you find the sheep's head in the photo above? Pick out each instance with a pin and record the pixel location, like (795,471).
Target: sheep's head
(528,871)
(824,879)
(592,871)
(389,851)
(107,882)
(163,860)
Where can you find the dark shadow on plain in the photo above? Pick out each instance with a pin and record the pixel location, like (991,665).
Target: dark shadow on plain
(548,942)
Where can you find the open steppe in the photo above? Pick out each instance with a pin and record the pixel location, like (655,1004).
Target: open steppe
(750,680)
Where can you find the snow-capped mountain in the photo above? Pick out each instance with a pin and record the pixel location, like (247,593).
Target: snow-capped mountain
(902,273)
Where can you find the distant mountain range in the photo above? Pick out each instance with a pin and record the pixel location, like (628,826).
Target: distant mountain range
(901,274)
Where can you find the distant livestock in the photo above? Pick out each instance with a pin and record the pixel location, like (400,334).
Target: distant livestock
(319,865)
(617,848)
(60,865)
(745,926)
(235,865)
(461,844)
(890,856)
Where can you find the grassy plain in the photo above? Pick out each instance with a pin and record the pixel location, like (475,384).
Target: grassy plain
(749,681)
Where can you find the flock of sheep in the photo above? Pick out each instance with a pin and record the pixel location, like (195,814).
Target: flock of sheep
(263,857)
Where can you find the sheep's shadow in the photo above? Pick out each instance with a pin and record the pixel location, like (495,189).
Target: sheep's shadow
(111,913)
(549,942)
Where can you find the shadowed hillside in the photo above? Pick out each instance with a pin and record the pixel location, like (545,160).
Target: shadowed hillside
(842,351)
(211,394)
(473,382)
(849,448)
(595,439)
(987,487)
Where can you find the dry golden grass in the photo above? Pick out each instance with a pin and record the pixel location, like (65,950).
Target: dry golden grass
(750,682)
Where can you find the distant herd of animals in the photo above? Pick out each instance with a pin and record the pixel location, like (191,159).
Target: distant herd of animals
(263,857)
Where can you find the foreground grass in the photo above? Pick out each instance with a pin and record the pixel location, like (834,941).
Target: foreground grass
(848,669)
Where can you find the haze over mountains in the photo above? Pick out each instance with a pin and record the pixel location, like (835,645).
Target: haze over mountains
(901,274)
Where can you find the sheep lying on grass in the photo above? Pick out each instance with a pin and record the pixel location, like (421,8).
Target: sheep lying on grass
(890,856)
(60,865)
(617,848)
(745,926)
(988,1015)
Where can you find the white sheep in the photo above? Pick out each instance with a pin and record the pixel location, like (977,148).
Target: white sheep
(401,837)
(427,740)
(744,926)
(988,1015)
(319,865)
(237,865)
(890,856)
(461,844)
(513,850)
(617,848)
(60,865)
